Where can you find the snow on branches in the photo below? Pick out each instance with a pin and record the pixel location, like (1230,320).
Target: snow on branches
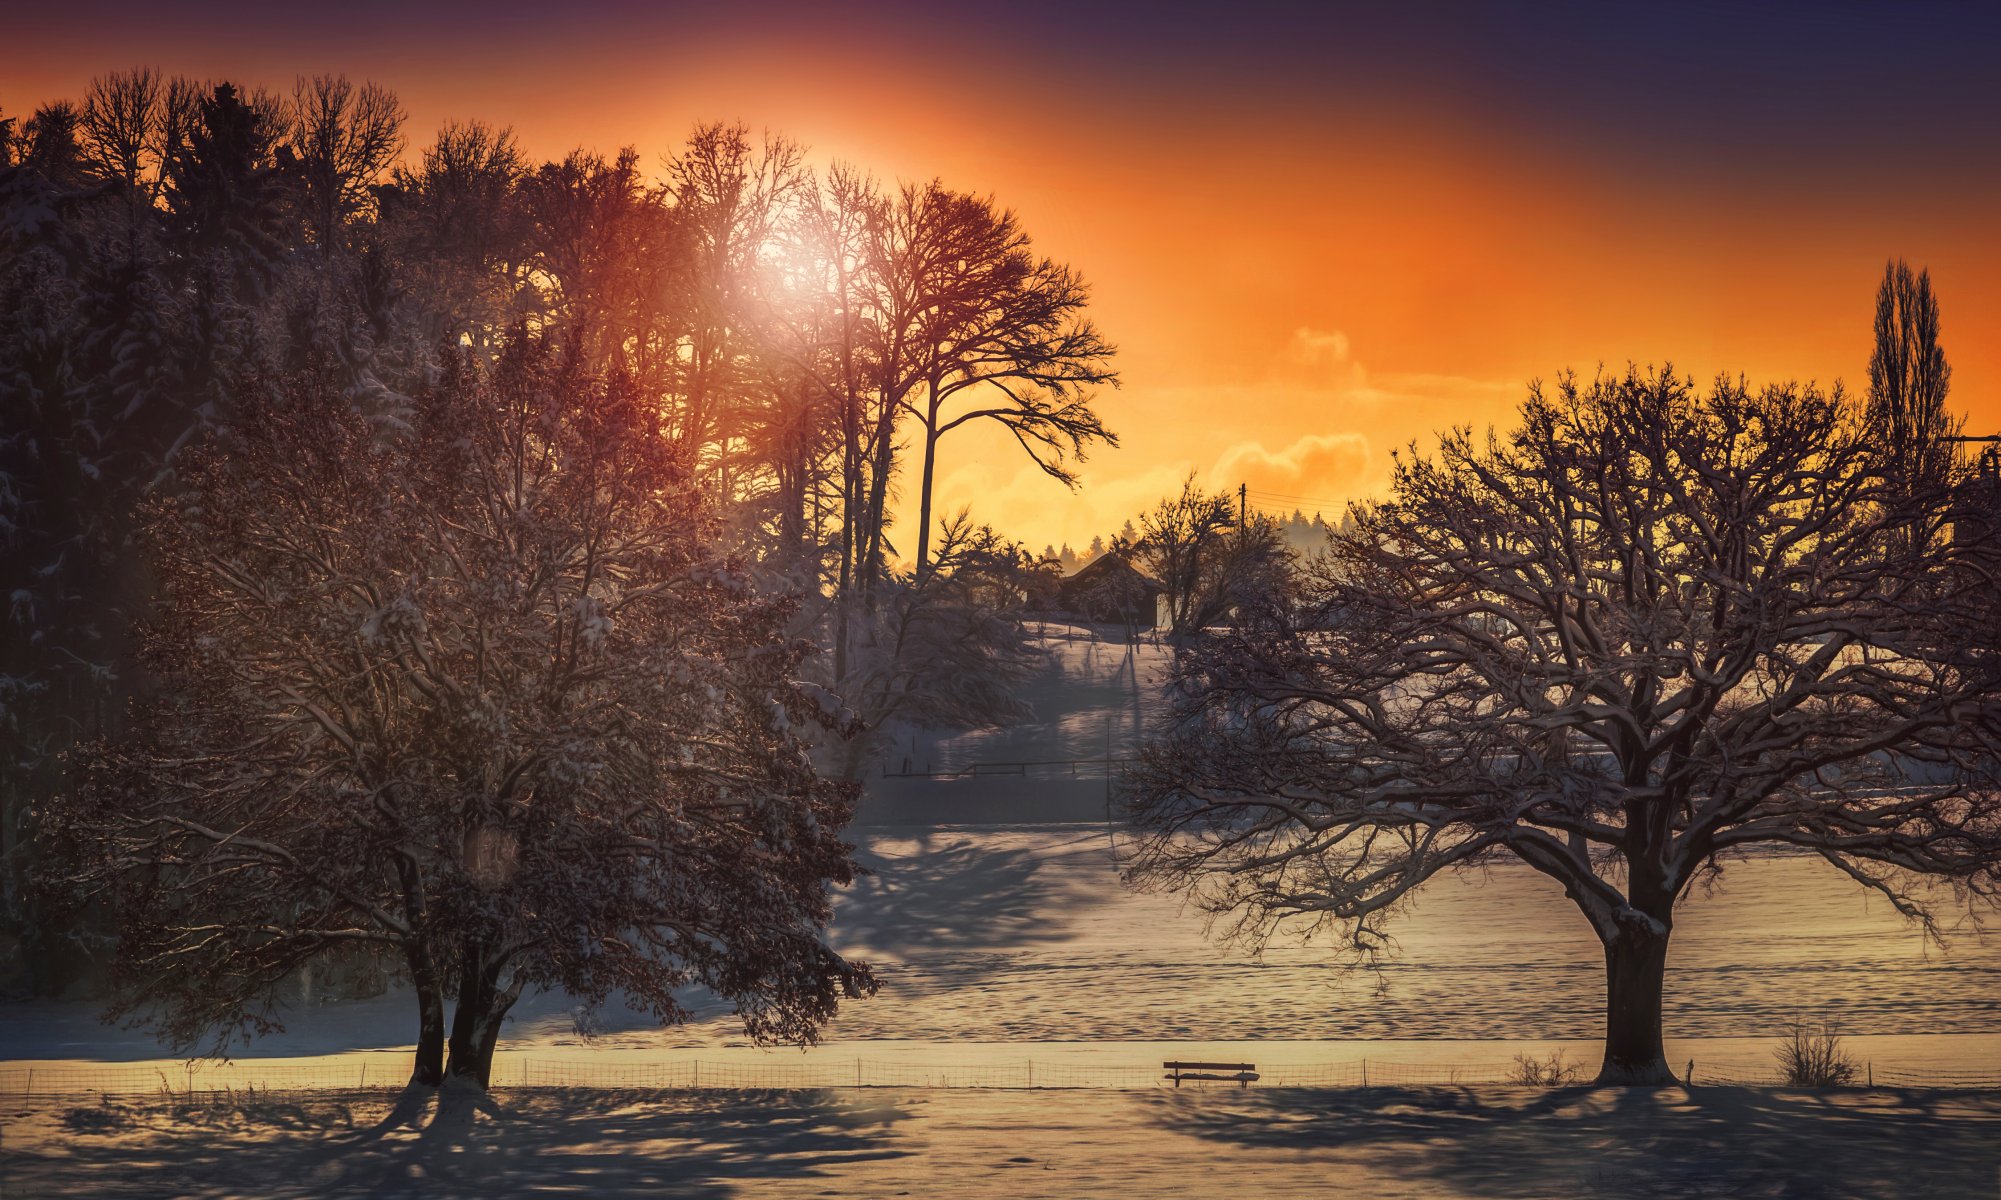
(1648,628)
(478,694)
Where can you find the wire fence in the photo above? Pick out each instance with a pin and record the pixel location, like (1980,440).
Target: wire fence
(1073,768)
(386,1073)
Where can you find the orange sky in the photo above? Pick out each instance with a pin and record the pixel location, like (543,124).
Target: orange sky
(1300,272)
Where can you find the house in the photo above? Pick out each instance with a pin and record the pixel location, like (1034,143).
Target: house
(1110,589)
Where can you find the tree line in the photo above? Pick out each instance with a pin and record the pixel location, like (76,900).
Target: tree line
(179,256)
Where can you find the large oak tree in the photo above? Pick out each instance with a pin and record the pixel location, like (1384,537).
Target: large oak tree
(1646,631)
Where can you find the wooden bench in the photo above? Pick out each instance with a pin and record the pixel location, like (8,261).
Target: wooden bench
(1242,1074)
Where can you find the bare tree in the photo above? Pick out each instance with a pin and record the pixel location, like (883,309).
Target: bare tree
(730,198)
(996,327)
(1648,630)
(819,314)
(1178,543)
(120,134)
(1210,557)
(344,138)
(603,251)
(180,111)
(456,225)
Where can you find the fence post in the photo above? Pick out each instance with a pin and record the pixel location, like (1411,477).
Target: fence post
(1365,1072)
(858,1072)
(1108,765)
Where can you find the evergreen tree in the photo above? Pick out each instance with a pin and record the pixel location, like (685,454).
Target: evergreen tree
(224,194)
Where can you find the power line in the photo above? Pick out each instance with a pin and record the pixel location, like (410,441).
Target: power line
(1288,498)
(1288,495)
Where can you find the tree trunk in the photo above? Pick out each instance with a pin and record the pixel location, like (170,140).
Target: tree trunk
(482,1005)
(1635,969)
(924,500)
(429,1068)
(884,453)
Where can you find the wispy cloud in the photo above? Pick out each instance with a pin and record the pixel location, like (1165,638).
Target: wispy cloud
(1315,469)
(1337,423)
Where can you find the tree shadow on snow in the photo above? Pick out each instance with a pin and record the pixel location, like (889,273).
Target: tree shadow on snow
(586,1142)
(952,894)
(1638,1142)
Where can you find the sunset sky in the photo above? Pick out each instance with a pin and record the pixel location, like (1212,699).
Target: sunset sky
(1315,233)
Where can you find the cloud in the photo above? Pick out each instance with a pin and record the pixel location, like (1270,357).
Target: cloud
(1320,363)
(1318,468)
(1310,427)
(1318,348)
(1023,502)
(1316,472)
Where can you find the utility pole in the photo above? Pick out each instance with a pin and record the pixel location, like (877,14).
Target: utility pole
(1243,506)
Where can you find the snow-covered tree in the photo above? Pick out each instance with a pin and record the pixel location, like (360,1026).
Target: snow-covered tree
(51,146)
(225,190)
(456,228)
(1648,631)
(478,697)
(89,413)
(170,238)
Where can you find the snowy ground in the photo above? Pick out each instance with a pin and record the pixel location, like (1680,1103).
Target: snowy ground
(1013,942)
(1011,952)
(1711,1142)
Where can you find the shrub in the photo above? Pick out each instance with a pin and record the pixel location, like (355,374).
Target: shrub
(1811,1057)
(1550,1072)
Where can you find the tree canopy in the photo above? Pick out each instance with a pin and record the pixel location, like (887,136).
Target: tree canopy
(1649,629)
(481,695)
(169,246)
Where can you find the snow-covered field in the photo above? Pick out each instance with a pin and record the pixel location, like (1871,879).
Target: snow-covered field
(1011,953)
(1024,939)
(1710,1142)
